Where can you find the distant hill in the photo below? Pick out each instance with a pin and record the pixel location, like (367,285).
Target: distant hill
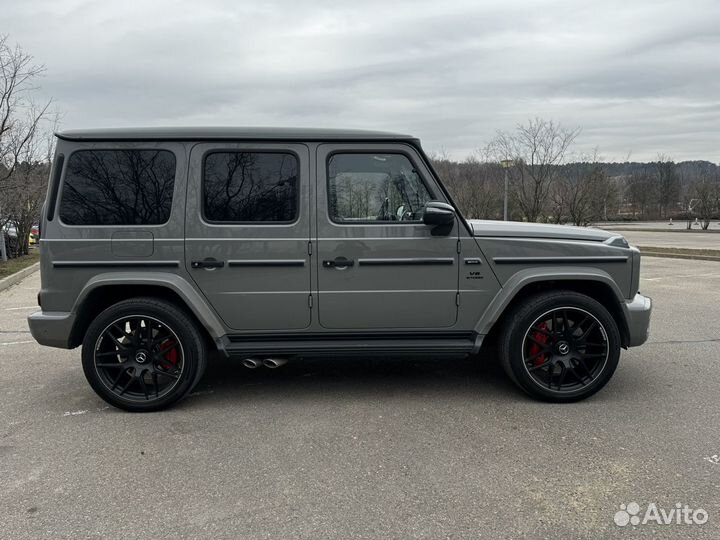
(685,169)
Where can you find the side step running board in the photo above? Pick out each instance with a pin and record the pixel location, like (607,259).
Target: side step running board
(331,345)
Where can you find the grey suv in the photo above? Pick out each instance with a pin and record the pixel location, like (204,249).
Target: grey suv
(160,246)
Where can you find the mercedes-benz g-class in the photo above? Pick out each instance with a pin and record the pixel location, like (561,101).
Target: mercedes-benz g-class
(160,246)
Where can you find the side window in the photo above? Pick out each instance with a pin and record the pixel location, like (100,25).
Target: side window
(118,187)
(374,187)
(250,187)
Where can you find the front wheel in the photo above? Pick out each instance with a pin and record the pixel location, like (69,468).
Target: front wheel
(560,346)
(143,354)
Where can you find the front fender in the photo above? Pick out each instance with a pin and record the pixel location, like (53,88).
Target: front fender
(528,276)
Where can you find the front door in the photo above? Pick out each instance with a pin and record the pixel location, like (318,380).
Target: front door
(379,266)
(248,230)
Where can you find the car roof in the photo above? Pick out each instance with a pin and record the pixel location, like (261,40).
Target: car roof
(230,133)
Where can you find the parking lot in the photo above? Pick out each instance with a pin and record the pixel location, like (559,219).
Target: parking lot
(369,448)
(674,239)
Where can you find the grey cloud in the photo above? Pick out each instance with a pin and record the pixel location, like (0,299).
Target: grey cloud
(639,77)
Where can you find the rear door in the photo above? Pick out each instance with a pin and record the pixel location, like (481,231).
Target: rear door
(248,232)
(379,266)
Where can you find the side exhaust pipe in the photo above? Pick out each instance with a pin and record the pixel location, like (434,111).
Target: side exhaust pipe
(274,363)
(252,363)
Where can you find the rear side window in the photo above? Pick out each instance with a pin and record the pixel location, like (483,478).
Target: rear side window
(118,187)
(250,187)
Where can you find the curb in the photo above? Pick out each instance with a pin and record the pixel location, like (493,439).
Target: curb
(15,278)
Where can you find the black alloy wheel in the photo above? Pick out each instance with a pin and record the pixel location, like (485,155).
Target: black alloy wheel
(139,358)
(143,354)
(560,346)
(565,349)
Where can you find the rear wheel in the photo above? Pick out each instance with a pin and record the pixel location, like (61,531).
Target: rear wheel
(143,354)
(561,346)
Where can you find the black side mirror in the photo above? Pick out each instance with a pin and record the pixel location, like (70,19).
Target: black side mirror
(440,216)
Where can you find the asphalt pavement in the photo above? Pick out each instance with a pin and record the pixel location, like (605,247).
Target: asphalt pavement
(370,448)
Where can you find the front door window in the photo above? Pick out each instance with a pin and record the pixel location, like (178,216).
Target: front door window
(374,187)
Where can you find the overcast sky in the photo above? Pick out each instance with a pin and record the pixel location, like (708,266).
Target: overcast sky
(640,77)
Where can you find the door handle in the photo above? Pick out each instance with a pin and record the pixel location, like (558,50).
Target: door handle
(338,262)
(207,263)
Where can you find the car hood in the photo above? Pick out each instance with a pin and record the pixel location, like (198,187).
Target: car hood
(520,229)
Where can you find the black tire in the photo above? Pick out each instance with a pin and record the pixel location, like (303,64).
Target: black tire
(149,348)
(560,359)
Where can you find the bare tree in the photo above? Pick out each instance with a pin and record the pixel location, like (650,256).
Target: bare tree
(642,191)
(19,116)
(584,191)
(475,184)
(537,149)
(26,187)
(668,184)
(706,192)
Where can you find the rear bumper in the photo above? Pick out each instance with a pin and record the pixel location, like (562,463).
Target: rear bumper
(51,329)
(638,318)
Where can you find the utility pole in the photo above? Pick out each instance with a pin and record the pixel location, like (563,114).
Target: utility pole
(506,164)
(3,247)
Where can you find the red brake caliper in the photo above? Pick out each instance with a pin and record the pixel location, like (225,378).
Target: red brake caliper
(170,357)
(535,348)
